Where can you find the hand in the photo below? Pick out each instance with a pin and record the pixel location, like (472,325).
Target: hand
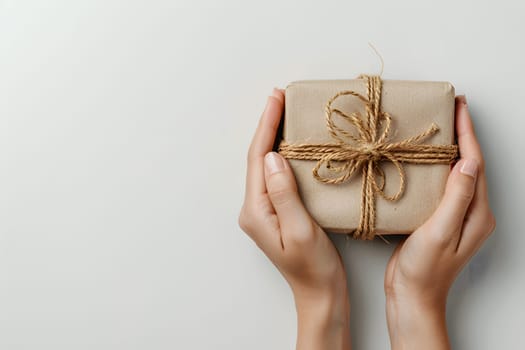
(274,216)
(424,266)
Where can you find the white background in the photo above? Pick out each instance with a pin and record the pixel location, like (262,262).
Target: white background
(123,136)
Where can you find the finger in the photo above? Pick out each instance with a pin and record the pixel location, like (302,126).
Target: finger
(478,226)
(262,143)
(446,222)
(467,141)
(294,220)
(469,146)
(279,94)
(480,222)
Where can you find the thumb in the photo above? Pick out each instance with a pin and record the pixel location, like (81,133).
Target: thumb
(282,190)
(460,188)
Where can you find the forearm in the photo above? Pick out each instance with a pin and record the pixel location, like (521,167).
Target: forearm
(323,322)
(416,326)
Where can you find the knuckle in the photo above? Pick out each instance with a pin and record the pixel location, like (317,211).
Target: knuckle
(465,196)
(280,191)
(303,233)
(481,163)
(388,281)
(484,222)
(390,291)
(243,222)
(491,222)
(465,191)
(246,219)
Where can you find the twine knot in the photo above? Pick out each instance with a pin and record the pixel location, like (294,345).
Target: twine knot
(370,151)
(365,149)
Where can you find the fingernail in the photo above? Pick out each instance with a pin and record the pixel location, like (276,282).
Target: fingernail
(273,163)
(469,167)
(463,99)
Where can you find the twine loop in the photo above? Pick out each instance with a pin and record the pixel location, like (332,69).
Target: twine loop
(364,148)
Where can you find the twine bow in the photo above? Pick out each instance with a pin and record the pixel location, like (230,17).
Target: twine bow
(365,150)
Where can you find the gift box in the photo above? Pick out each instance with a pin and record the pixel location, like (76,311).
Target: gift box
(370,156)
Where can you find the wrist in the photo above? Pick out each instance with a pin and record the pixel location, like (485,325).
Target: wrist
(323,320)
(417,323)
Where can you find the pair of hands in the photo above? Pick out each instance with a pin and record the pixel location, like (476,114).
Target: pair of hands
(420,271)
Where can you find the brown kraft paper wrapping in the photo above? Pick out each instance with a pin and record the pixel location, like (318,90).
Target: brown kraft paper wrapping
(413,106)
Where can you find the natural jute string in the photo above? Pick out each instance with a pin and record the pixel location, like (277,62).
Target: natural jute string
(366,151)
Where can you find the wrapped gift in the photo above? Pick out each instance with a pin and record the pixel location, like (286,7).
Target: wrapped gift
(369,156)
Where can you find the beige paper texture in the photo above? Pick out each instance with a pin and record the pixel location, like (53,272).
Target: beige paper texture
(414,106)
